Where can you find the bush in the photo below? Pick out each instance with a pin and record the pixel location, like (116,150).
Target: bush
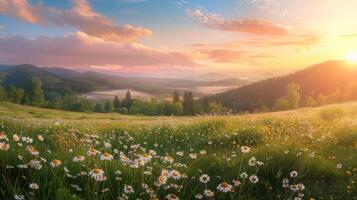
(330,114)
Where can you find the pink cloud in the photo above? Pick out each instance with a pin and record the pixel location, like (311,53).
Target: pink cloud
(80,16)
(80,50)
(21,9)
(251,26)
(222,55)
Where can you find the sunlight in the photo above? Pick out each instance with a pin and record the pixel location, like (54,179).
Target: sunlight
(351,57)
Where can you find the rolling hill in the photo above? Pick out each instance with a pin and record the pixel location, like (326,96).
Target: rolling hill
(64,81)
(325,78)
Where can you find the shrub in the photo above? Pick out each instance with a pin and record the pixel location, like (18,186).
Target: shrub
(330,114)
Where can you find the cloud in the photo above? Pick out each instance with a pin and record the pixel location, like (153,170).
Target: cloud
(251,26)
(305,40)
(81,50)
(21,9)
(222,55)
(80,16)
(352,35)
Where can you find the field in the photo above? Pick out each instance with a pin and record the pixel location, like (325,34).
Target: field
(302,154)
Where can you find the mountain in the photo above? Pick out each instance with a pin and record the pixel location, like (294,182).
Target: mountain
(325,78)
(63,81)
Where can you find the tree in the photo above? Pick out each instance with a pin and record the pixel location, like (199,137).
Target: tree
(205,104)
(57,102)
(116,103)
(280,104)
(11,90)
(293,95)
(215,107)
(188,104)
(18,95)
(176,97)
(36,96)
(291,100)
(128,102)
(321,100)
(351,92)
(309,101)
(3,94)
(109,106)
(98,108)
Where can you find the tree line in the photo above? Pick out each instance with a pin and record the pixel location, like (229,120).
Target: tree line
(34,95)
(293,100)
(185,105)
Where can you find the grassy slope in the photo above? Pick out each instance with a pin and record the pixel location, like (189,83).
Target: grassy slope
(312,141)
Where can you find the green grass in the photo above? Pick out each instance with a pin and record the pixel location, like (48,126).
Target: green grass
(320,144)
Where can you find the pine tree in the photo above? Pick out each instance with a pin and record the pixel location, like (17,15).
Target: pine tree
(98,108)
(176,97)
(116,103)
(188,104)
(128,101)
(109,106)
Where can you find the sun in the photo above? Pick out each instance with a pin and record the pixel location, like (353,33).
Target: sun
(351,57)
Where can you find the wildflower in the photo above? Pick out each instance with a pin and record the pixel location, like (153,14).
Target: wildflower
(253,179)
(106,156)
(175,174)
(236,183)
(224,187)
(3,136)
(145,157)
(339,166)
(204,178)
(162,180)
(128,189)
(203,152)
(244,175)
(78,158)
(285,183)
(4,146)
(40,137)
(198,196)
(33,150)
(172,197)
(208,193)
(98,175)
(252,161)
(92,152)
(193,155)
(245,149)
(55,163)
(16,138)
(19,197)
(34,186)
(107,145)
(36,164)
(180,153)
(293,174)
(168,159)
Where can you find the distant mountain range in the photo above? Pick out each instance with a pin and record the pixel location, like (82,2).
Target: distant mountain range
(325,78)
(65,81)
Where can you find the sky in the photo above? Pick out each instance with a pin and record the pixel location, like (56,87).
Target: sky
(178,38)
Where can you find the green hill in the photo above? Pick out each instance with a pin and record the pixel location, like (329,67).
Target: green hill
(279,155)
(321,79)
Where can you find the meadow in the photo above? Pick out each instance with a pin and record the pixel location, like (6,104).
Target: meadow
(308,153)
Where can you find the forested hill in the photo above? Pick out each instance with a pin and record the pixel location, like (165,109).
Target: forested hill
(60,81)
(321,79)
